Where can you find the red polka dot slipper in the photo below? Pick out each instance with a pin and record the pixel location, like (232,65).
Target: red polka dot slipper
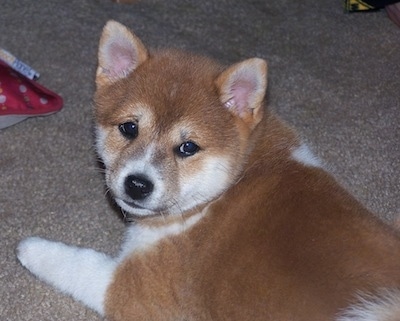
(21,98)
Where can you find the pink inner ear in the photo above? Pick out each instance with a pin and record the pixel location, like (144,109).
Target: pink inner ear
(121,59)
(242,89)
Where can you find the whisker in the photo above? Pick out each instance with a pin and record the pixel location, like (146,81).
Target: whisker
(127,218)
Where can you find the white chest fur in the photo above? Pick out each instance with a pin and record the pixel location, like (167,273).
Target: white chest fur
(141,237)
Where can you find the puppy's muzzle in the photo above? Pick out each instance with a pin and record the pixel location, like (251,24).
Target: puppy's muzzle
(138,187)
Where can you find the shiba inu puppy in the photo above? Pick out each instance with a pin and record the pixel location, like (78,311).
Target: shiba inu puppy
(235,219)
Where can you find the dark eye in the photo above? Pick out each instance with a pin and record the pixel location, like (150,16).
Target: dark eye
(187,149)
(129,130)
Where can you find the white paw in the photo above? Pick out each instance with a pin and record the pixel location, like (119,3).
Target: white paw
(48,260)
(33,253)
(83,273)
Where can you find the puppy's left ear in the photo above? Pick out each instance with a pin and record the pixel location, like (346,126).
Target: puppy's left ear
(242,89)
(120,53)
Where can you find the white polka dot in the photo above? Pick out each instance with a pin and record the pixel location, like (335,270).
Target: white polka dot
(22,88)
(43,101)
(2,99)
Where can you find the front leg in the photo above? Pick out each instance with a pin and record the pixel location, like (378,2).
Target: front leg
(82,273)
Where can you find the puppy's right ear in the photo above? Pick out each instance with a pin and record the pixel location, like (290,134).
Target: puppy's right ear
(120,53)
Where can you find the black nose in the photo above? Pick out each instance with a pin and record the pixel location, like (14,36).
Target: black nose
(138,187)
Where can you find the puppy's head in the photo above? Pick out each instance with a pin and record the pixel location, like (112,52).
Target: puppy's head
(172,128)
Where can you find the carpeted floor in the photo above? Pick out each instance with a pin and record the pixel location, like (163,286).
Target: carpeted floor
(334,76)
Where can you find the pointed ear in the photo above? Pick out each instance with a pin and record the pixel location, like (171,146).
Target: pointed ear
(242,89)
(120,52)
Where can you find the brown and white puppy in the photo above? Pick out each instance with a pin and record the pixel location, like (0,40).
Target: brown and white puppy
(235,219)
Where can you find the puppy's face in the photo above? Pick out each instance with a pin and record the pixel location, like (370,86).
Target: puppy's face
(172,138)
